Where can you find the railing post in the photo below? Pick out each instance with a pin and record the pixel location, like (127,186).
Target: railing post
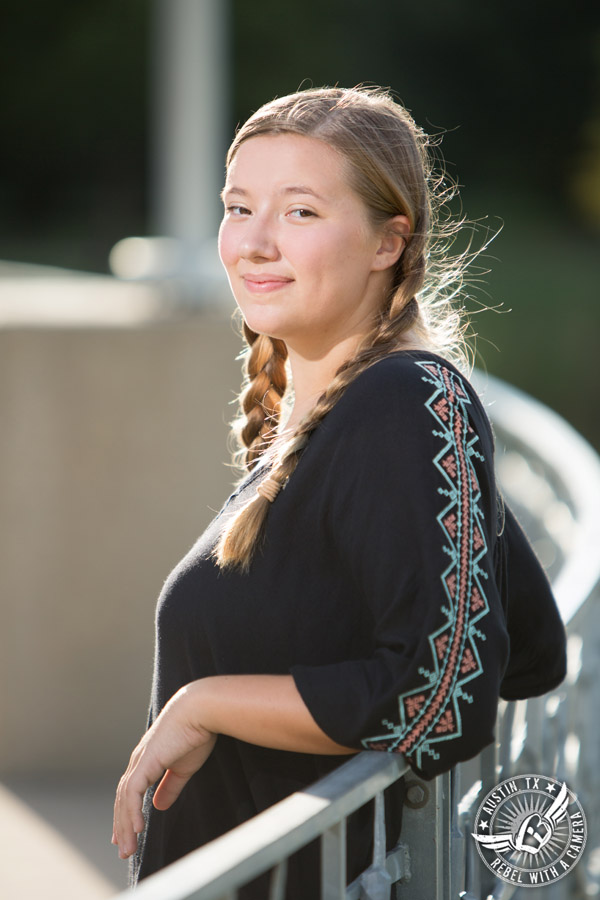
(333,862)
(278,881)
(376,882)
(426,830)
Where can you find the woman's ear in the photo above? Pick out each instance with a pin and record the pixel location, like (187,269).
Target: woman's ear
(394,238)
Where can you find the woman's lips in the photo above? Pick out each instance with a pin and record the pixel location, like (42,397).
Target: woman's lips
(264,284)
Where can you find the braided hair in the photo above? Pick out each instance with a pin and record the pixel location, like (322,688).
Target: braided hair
(390,169)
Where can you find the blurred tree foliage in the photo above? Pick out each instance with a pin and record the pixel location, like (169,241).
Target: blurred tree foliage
(74,123)
(512,86)
(512,81)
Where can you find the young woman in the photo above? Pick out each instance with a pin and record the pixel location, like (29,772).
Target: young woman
(364,587)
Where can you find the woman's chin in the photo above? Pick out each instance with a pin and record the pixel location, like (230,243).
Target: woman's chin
(264,325)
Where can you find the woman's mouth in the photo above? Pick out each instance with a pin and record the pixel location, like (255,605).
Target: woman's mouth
(264,284)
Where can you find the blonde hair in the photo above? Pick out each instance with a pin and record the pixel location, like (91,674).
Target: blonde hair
(390,169)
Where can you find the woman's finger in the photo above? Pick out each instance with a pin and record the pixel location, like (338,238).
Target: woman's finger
(128,815)
(130,824)
(176,777)
(169,790)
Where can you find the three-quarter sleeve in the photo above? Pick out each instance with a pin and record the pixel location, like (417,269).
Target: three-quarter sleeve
(413,517)
(538,646)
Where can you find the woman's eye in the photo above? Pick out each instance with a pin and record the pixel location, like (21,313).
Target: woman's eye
(301,213)
(237,210)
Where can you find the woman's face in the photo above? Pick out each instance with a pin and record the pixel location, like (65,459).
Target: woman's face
(304,263)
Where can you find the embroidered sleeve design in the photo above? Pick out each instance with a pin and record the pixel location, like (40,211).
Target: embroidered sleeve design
(431,713)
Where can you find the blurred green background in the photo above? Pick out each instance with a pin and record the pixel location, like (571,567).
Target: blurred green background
(513,86)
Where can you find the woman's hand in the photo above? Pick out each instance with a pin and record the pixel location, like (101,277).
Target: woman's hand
(175,747)
(266,710)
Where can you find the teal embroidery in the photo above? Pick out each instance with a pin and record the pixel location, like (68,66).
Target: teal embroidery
(430,713)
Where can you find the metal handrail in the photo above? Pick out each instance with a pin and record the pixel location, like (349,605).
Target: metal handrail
(575,466)
(212,872)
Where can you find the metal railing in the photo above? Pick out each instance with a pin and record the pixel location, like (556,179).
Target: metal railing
(551,477)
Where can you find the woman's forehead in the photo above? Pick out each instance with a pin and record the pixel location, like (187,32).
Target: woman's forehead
(289,163)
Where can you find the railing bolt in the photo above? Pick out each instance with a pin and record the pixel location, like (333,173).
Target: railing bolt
(417,795)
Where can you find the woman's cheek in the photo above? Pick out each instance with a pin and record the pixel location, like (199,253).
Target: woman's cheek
(226,246)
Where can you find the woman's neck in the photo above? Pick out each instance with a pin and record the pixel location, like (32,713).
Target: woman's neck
(312,376)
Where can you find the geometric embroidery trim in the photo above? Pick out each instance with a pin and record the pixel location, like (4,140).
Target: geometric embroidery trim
(430,713)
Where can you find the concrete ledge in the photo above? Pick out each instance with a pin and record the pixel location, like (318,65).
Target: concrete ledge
(43,296)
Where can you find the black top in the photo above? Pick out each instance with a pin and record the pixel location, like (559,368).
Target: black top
(392,584)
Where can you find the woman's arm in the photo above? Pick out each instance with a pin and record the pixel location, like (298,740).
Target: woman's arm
(266,710)
(261,709)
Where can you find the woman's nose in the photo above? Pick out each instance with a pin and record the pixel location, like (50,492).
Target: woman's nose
(259,241)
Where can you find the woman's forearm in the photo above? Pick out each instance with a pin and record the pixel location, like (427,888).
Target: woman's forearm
(260,709)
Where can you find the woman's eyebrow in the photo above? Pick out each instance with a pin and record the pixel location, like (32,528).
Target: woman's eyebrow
(233,190)
(292,189)
(302,189)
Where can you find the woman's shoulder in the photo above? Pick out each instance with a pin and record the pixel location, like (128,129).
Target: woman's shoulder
(405,380)
(405,402)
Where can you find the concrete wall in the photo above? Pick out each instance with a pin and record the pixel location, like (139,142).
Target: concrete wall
(112,452)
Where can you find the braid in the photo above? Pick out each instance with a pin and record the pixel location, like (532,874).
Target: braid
(261,399)
(241,538)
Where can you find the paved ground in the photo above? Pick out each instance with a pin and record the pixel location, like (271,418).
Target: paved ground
(55,839)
